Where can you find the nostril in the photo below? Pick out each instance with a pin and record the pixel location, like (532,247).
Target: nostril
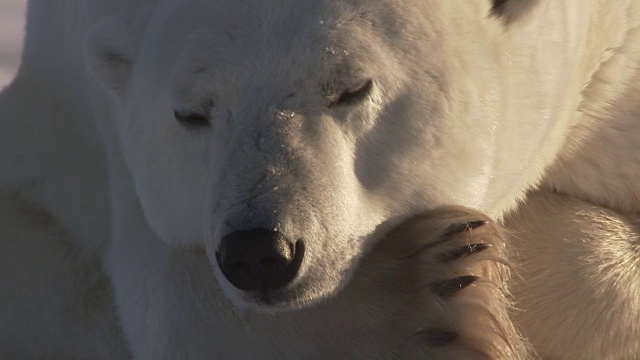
(240,266)
(269,263)
(259,259)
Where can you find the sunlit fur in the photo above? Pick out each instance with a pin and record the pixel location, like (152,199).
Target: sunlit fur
(577,287)
(525,112)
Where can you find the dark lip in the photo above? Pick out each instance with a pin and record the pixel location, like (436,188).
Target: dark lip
(275,298)
(272,302)
(284,298)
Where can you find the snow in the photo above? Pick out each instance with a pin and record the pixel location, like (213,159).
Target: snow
(12,13)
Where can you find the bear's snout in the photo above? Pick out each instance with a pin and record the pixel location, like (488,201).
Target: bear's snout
(259,259)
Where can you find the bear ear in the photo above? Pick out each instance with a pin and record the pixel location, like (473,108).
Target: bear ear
(109,52)
(111,46)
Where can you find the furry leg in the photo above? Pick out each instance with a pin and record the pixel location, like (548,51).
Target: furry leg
(579,286)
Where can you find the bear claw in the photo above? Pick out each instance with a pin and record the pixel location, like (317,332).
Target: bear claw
(451,287)
(456,229)
(462,252)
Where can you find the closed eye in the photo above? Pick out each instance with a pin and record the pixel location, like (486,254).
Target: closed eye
(352,97)
(192,120)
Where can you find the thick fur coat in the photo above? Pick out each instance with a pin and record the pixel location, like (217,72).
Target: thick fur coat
(461,179)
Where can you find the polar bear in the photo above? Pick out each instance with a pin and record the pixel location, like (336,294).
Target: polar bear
(187,179)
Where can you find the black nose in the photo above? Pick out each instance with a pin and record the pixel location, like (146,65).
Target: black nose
(259,259)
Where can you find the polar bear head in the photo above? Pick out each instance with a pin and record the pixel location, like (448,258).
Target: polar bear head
(286,137)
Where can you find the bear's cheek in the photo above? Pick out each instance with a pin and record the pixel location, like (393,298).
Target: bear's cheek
(169,171)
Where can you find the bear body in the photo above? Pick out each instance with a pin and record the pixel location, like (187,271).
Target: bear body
(404,150)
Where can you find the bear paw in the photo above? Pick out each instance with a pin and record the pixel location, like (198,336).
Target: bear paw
(449,269)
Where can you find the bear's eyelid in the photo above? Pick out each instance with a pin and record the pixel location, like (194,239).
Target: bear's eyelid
(350,97)
(192,120)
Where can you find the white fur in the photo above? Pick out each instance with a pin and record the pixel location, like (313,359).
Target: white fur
(467,108)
